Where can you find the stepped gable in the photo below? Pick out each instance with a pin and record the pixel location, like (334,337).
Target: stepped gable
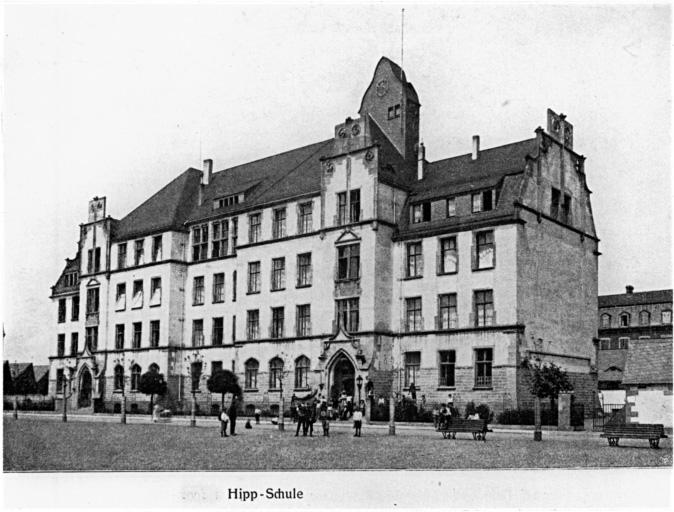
(72,265)
(167,210)
(634,298)
(649,362)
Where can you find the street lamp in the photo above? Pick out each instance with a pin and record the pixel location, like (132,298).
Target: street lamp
(359,383)
(120,361)
(195,375)
(67,379)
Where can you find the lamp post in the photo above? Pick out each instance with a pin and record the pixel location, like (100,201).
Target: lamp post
(120,361)
(195,375)
(359,383)
(281,423)
(67,379)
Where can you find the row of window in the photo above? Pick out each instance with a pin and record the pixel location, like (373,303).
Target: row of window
(91,340)
(136,371)
(484,358)
(480,202)
(74,309)
(625,319)
(137,297)
(137,335)
(483,311)
(483,256)
(218,235)
(278,274)
(139,252)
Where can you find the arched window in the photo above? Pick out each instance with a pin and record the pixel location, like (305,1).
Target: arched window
(275,373)
(135,377)
(119,377)
(252,367)
(644,318)
(302,366)
(154,367)
(605,320)
(624,319)
(667,316)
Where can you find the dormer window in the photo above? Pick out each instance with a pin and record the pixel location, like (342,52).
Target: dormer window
(483,201)
(227,201)
(394,112)
(421,212)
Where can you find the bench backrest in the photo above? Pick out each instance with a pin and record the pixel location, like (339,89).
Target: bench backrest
(636,428)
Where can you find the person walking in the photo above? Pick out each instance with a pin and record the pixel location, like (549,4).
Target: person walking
(357,421)
(301,418)
(325,421)
(310,420)
(257,415)
(224,419)
(231,412)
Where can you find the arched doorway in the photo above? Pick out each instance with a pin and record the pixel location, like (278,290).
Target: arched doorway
(342,377)
(84,397)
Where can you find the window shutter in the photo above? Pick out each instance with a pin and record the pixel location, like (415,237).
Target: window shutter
(310,273)
(473,255)
(421,260)
(438,258)
(493,252)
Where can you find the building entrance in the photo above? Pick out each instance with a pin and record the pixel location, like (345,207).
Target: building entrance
(342,378)
(84,397)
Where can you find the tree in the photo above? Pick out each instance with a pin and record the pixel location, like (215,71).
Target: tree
(548,381)
(7,381)
(152,383)
(224,381)
(24,382)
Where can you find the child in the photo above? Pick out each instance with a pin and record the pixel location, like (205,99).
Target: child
(436,416)
(257,415)
(325,421)
(357,421)
(224,420)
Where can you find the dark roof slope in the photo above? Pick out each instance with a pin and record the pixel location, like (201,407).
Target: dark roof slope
(72,265)
(635,298)
(649,362)
(40,371)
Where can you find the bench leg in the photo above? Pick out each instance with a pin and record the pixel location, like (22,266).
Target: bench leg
(655,443)
(444,435)
(613,441)
(475,435)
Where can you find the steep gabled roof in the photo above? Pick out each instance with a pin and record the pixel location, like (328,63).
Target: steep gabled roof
(40,371)
(635,298)
(649,362)
(72,265)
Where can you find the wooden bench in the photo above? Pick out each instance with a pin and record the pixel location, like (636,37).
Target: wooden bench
(651,431)
(476,427)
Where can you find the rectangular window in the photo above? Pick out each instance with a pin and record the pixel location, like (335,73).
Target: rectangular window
(71,279)
(94,260)
(197,333)
(415,266)
(119,336)
(305,218)
(219,287)
(483,201)
(447,368)
(421,213)
(60,381)
(483,361)
(666,317)
(304,320)
(484,308)
(348,314)
(74,342)
(414,320)
(604,344)
(555,198)
(154,333)
(279,224)
(218,335)
(233,328)
(220,238)
(253,324)
(120,299)
(348,258)
(234,286)
(254,228)
(449,256)
(354,197)
(278,273)
(235,233)
(62,311)
(93,295)
(451,207)
(448,316)
(484,250)
(139,252)
(251,375)
(412,365)
(476,203)
(91,338)
(304,271)
(623,343)
(277,321)
(155,291)
(615,344)
(198,291)
(394,112)
(121,256)
(200,242)
(157,248)
(61,345)
(254,277)
(137,336)
(566,210)
(216,366)
(341,209)
(137,300)
(75,313)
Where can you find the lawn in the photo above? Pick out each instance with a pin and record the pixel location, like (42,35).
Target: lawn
(50,445)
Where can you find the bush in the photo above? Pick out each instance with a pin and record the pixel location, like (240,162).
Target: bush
(527,417)
(481,410)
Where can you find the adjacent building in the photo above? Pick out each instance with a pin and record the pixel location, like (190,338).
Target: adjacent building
(353,259)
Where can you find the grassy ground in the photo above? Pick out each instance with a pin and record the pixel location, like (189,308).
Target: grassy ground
(49,445)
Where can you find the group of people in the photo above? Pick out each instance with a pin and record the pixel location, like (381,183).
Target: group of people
(228,417)
(442,414)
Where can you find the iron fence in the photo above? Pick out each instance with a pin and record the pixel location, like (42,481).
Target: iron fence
(608,414)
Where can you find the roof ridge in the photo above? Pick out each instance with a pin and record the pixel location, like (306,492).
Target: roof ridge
(483,150)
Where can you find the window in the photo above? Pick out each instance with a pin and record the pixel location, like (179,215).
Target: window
(347,314)
(644,318)
(624,320)
(483,361)
(615,344)
(414,321)
(74,342)
(139,252)
(412,365)
(218,335)
(137,335)
(234,286)
(277,319)
(119,336)
(91,338)
(119,378)
(484,250)
(121,256)
(448,317)
(447,368)
(92,301)
(302,366)
(198,291)
(61,345)
(137,301)
(254,228)
(235,233)
(304,271)
(197,333)
(484,308)
(60,381)
(394,112)
(75,309)
(155,291)
(220,236)
(251,369)
(355,205)
(451,207)
(278,274)
(157,248)
(219,287)
(195,372)
(667,317)
(278,228)
(555,198)
(623,343)
(305,218)
(348,261)
(71,279)
(225,201)
(604,343)
(154,333)
(606,320)
(566,210)
(135,377)
(62,311)
(415,263)
(253,328)
(275,373)
(233,328)
(421,213)
(483,201)
(216,366)
(304,320)
(200,242)
(449,257)
(341,209)
(254,277)
(94,260)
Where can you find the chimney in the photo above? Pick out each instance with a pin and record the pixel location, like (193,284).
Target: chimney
(629,289)
(420,163)
(476,147)
(208,172)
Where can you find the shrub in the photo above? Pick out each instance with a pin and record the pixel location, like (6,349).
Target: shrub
(527,417)
(481,410)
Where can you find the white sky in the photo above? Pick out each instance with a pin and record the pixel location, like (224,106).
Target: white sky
(118,100)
